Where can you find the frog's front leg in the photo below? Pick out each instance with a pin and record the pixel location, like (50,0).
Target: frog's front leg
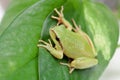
(81,63)
(58,53)
(61,19)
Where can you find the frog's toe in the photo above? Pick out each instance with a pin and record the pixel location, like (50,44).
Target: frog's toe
(41,41)
(70,68)
(65,64)
(57,18)
(60,13)
(44,44)
(54,17)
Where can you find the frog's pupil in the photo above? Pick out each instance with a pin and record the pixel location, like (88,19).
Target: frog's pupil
(57,39)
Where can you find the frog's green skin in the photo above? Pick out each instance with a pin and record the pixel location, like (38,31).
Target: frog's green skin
(73,43)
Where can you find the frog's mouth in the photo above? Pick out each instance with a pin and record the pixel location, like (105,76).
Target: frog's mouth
(55,39)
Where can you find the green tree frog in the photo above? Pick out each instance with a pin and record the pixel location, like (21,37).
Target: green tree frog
(72,42)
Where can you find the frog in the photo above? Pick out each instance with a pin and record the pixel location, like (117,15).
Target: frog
(72,42)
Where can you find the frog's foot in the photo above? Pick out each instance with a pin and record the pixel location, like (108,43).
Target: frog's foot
(60,15)
(45,44)
(61,19)
(70,68)
(77,28)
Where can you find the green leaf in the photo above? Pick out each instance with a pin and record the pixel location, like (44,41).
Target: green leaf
(18,43)
(95,19)
(15,8)
(29,71)
(102,27)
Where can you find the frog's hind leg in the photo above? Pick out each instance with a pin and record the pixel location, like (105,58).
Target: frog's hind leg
(61,19)
(81,63)
(84,62)
(77,28)
(60,15)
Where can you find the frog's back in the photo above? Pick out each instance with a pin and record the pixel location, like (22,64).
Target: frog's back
(74,44)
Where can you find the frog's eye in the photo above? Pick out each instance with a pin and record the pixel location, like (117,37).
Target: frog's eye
(73,30)
(57,38)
